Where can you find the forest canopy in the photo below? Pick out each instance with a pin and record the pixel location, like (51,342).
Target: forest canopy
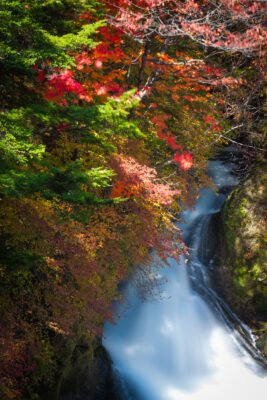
(110,111)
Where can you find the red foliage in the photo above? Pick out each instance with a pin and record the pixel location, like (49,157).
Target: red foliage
(98,64)
(215,24)
(184,159)
(58,84)
(14,363)
(138,180)
(92,75)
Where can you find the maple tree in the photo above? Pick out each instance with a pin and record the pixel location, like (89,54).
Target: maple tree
(193,78)
(226,24)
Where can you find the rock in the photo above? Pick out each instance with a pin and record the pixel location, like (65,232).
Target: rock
(89,376)
(243,256)
(211,254)
(261,342)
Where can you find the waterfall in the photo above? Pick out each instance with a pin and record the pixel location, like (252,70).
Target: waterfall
(187,344)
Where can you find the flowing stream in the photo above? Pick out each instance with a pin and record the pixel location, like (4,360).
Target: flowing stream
(188,344)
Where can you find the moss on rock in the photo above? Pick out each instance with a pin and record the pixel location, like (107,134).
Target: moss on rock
(244,224)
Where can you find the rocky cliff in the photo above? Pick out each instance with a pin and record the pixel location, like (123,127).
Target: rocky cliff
(243,251)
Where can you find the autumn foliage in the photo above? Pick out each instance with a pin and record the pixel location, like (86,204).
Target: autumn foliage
(110,112)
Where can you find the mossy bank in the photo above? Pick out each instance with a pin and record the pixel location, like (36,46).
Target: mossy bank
(244,256)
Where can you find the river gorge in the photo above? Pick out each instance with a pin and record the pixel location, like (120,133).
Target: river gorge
(186,344)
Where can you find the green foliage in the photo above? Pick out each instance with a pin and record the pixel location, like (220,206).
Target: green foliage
(39,32)
(99,177)
(106,119)
(16,143)
(31,31)
(69,183)
(73,41)
(17,147)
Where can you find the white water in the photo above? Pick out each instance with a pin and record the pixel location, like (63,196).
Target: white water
(183,347)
